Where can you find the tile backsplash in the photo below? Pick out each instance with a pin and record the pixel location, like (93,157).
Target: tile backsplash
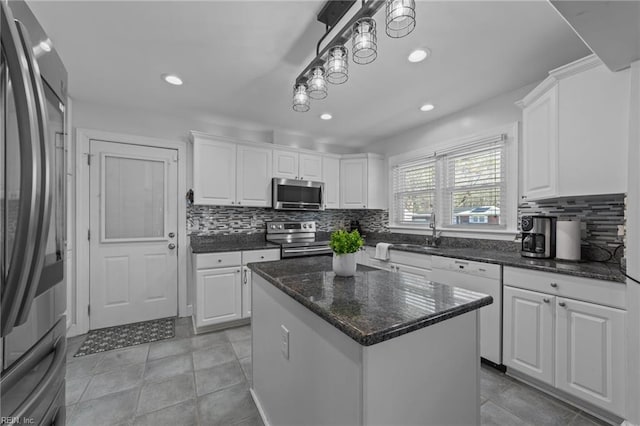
(601,214)
(216,220)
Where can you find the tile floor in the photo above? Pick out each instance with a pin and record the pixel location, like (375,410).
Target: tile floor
(204,380)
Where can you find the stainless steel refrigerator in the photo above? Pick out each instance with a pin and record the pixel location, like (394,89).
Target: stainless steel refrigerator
(33,84)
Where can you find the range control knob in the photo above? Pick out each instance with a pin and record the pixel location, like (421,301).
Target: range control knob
(273,227)
(304,225)
(279,226)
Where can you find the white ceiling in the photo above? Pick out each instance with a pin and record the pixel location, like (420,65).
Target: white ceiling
(239,60)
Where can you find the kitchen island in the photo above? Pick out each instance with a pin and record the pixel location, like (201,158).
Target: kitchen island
(379,348)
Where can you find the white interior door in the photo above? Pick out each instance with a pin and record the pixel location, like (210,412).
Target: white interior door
(133,233)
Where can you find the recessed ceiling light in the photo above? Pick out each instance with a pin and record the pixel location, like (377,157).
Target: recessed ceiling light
(326,116)
(418,55)
(172,79)
(426,107)
(45,45)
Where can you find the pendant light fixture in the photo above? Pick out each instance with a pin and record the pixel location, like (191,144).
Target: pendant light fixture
(360,27)
(337,66)
(401,17)
(317,84)
(300,97)
(365,47)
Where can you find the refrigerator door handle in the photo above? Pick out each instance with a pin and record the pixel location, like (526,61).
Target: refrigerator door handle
(44,387)
(43,216)
(18,270)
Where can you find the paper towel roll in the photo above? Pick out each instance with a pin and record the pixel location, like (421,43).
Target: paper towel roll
(568,239)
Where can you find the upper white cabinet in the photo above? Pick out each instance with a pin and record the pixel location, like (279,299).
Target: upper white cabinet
(331,179)
(540,151)
(227,173)
(574,132)
(362,182)
(294,165)
(214,172)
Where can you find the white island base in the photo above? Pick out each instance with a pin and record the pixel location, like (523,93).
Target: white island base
(429,376)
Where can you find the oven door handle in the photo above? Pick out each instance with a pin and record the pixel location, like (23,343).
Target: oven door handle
(26,237)
(43,217)
(306,250)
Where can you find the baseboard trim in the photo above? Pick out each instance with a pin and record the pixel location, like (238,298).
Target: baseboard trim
(569,399)
(218,327)
(261,412)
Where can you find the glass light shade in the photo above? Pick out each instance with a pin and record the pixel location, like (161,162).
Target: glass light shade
(301,102)
(401,17)
(337,65)
(365,47)
(317,84)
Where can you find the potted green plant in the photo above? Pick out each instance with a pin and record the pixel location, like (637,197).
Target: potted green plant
(345,245)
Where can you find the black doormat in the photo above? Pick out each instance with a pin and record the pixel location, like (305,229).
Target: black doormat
(122,336)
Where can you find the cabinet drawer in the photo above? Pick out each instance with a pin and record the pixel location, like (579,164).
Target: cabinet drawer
(218,260)
(260,255)
(479,269)
(590,290)
(412,259)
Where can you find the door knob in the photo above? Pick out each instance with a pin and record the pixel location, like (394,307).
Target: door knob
(172,246)
(172,234)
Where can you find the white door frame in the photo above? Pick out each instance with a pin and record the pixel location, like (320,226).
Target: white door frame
(83,138)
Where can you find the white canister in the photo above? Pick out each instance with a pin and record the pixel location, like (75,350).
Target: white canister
(568,239)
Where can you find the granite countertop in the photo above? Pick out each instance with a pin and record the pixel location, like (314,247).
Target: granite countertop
(586,269)
(210,245)
(374,305)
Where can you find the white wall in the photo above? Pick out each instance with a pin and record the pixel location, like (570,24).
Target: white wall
(176,127)
(486,115)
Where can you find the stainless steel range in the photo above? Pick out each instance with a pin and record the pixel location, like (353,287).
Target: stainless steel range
(297,239)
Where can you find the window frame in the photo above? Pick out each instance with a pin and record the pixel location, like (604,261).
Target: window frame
(509,199)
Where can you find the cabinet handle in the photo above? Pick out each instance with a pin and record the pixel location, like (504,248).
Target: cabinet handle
(554,285)
(238,270)
(562,304)
(219,260)
(524,197)
(301,178)
(245,277)
(233,202)
(238,202)
(261,257)
(546,300)
(364,207)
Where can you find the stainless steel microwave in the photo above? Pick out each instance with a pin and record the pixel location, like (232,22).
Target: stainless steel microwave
(293,194)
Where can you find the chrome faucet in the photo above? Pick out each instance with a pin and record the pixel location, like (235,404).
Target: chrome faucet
(435,235)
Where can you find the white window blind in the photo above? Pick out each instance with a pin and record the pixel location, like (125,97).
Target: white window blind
(414,191)
(474,184)
(465,185)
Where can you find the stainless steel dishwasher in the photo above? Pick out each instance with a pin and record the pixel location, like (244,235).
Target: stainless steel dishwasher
(484,278)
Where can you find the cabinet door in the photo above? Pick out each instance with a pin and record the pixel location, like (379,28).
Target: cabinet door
(310,167)
(540,147)
(254,176)
(246,292)
(214,173)
(353,183)
(219,296)
(285,164)
(331,179)
(528,333)
(420,273)
(590,345)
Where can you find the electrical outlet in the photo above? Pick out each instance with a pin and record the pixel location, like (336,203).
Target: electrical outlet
(284,341)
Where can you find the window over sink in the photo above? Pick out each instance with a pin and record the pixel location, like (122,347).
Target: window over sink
(469,184)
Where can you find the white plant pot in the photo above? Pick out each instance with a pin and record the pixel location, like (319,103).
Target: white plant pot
(344,265)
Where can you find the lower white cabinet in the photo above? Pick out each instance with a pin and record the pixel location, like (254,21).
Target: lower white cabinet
(590,353)
(223,285)
(529,323)
(576,346)
(219,296)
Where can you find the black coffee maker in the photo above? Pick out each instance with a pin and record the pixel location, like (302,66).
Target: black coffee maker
(538,236)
